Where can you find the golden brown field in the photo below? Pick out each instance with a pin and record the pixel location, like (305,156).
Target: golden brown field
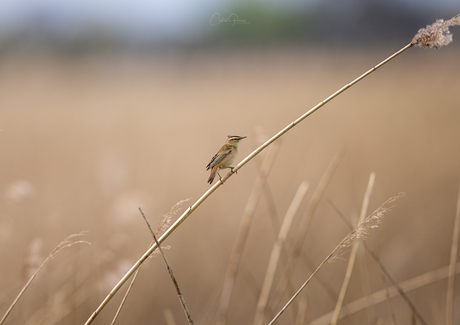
(85,142)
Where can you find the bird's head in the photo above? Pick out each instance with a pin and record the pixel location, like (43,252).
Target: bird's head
(234,139)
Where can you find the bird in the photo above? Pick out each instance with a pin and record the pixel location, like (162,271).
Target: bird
(224,157)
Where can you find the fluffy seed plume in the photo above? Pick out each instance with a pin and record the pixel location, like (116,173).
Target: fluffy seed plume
(435,35)
(372,221)
(67,243)
(165,222)
(62,245)
(362,230)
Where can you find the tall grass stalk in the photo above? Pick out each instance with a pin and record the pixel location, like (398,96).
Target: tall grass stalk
(123,301)
(389,304)
(243,233)
(417,41)
(366,284)
(302,311)
(162,226)
(276,251)
(385,271)
(169,317)
(171,273)
(67,242)
(302,230)
(380,296)
(354,251)
(359,232)
(452,265)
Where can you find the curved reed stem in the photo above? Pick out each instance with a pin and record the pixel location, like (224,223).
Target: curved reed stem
(192,208)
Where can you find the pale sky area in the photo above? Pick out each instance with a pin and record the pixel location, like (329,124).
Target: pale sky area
(128,16)
(154,20)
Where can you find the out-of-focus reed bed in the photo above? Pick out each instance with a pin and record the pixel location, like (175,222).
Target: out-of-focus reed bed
(87,142)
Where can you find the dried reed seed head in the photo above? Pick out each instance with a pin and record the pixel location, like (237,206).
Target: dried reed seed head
(67,242)
(165,222)
(362,230)
(435,35)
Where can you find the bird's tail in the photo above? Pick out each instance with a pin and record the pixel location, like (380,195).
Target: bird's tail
(214,171)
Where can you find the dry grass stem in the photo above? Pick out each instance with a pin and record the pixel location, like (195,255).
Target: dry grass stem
(359,232)
(369,223)
(272,212)
(323,282)
(122,303)
(67,242)
(366,284)
(61,305)
(390,305)
(169,317)
(270,201)
(276,251)
(243,233)
(453,263)
(354,251)
(380,296)
(164,224)
(302,312)
(304,225)
(436,35)
(171,273)
(384,269)
(71,293)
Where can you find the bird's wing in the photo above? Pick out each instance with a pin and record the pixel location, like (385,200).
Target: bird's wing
(217,159)
(210,165)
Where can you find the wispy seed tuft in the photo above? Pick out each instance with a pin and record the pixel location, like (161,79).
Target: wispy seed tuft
(165,222)
(362,230)
(435,35)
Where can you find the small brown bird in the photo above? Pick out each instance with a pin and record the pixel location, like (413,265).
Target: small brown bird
(225,157)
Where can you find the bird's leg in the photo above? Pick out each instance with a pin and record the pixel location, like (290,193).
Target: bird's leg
(230,168)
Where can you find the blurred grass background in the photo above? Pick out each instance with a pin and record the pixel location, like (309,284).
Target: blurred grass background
(88,136)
